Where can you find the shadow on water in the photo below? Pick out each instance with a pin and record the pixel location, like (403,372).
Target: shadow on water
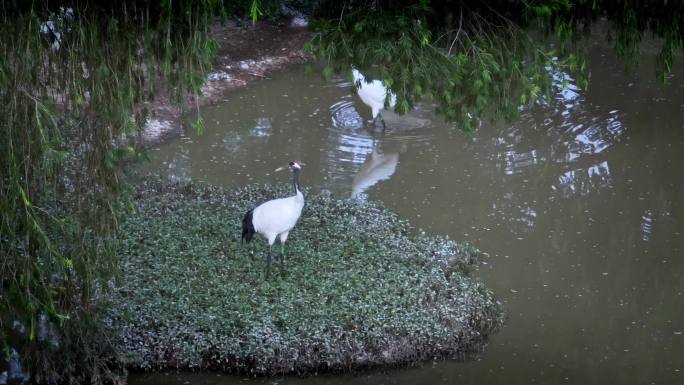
(578,204)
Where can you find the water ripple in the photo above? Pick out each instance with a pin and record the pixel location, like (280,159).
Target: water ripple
(345,117)
(584,181)
(647,220)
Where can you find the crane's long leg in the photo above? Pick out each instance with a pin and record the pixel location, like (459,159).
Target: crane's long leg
(282,258)
(283,239)
(268,262)
(382,120)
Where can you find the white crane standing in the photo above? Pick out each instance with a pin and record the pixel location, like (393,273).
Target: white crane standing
(276,217)
(373,94)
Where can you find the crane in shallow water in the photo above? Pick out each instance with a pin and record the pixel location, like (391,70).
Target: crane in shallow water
(275,218)
(373,94)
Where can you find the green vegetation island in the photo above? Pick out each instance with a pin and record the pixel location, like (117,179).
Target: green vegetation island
(360,288)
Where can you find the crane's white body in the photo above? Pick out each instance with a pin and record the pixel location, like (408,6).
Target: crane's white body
(373,93)
(277,217)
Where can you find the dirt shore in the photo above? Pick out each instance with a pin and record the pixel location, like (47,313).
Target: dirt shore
(245,54)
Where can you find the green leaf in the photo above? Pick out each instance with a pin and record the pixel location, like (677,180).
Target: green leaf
(327,72)
(254,11)
(535,91)
(486,76)
(24,196)
(424,39)
(199,126)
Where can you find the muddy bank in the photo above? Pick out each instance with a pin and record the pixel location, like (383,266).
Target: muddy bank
(359,290)
(245,54)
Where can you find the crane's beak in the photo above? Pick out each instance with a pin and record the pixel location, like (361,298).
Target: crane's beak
(288,166)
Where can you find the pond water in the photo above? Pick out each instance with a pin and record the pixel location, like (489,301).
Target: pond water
(579,205)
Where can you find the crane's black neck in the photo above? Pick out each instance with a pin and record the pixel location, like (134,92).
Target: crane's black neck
(295,180)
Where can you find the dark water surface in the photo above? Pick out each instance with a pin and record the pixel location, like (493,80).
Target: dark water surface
(579,204)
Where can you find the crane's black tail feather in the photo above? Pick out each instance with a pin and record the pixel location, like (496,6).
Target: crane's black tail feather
(247,227)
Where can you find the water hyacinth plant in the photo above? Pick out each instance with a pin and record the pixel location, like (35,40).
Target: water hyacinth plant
(361,289)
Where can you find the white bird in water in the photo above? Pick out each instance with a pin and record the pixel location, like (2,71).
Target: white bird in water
(276,217)
(373,94)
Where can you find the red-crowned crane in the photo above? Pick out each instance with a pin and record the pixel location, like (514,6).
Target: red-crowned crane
(276,217)
(373,94)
